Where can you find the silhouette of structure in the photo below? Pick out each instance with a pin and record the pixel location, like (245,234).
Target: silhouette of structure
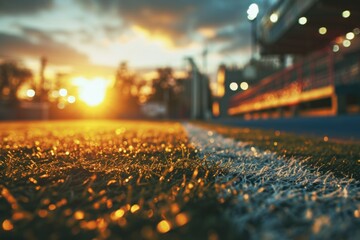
(200,93)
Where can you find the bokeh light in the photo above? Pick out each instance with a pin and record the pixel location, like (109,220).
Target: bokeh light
(302,20)
(252,11)
(346,14)
(71,99)
(274,17)
(350,36)
(323,30)
(233,86)
(63,92)
(163,226)
(30,93)
(244,86)
(346,43)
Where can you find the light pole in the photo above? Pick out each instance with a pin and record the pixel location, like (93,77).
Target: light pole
(252,13)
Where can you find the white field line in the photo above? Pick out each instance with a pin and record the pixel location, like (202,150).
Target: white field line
(278,198)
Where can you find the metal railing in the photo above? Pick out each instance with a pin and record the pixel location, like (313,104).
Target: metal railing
(322,69)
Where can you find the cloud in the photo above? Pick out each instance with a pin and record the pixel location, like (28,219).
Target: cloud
(36,35)
(232,40)
(112,30)
(36,44)
(178,21)
(220,25)
(231,33)
(17,7)
(239,46)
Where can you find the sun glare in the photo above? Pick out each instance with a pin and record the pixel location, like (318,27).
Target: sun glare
(91,91)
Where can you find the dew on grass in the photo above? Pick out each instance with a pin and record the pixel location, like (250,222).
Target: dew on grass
(163,226)
(43,213)
(79,215)
(111,170)
(134,208)
(7,225)
(90,225)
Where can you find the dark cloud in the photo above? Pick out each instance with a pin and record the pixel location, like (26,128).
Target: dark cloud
(235,46)
(220,14)
(233,40)
(49,37)
(57,53)
(177,20)
(231,34)
(35,43)
(17,7)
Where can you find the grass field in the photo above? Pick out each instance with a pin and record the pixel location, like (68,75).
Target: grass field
(340,158)
(137,180)
(118,180)
(278,197)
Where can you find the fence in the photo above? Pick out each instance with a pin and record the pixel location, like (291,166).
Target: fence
(315,77)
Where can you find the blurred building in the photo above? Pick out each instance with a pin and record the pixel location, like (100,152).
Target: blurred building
(228,80)
(322,37)
(232,80)
(183,103)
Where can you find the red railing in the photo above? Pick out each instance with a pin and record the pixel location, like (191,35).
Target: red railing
(321,69)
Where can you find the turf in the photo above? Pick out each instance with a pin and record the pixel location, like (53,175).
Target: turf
(340,158)
(145,180)
(279,198)
(106,180)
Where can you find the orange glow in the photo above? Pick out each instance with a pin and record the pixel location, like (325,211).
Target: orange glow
(134,208)
(116,215)
(339,40)
(216,109)
(7,225)
(220,82)
(79,215)
(91,91)
(25,92)
(207,32)
(286,96)
(163,226)
(91,225)
(181,219)
(357,213)
(157,37)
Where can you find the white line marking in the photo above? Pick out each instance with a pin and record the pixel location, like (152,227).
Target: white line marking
(279,198)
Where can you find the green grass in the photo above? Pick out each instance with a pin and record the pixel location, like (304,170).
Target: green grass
(340,158)
(144,180)
(115,180)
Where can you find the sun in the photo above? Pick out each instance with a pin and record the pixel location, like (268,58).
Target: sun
(91,91)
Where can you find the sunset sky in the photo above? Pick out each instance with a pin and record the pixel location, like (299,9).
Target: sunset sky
(91,37)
